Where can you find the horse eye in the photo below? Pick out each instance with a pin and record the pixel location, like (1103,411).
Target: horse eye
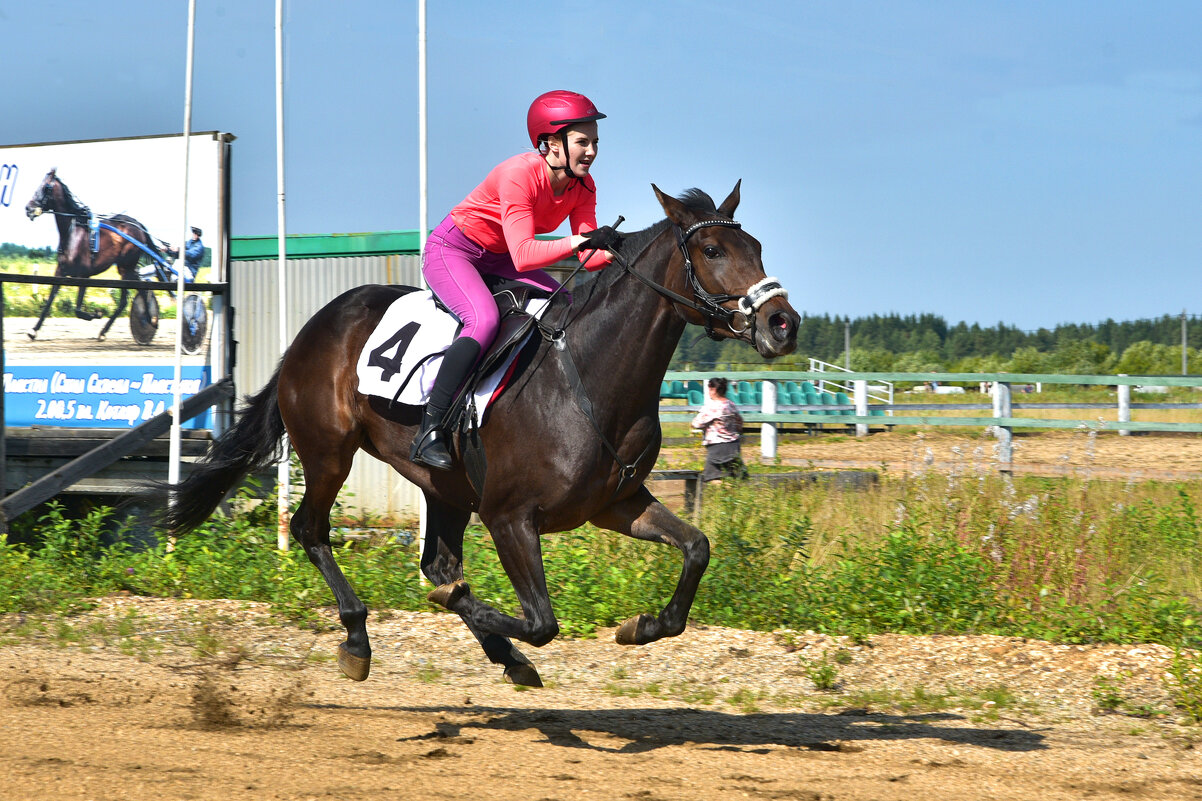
(711,252)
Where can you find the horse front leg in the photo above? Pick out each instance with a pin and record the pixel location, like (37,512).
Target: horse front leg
(517,543)
(120,308)
(643,517)
(442,564)
(33,332)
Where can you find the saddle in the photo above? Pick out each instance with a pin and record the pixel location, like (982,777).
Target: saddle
(462,420)
(401,357)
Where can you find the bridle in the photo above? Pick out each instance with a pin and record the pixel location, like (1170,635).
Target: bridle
(707,303)
(44,199)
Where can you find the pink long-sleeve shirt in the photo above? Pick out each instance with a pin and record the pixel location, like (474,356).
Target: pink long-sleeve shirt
(515,202)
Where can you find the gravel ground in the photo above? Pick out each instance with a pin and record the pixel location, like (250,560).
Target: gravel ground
(169,699)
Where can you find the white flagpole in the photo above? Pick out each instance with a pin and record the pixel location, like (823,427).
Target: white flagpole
(283,485)
(173,471)
(422,180)
(422,142)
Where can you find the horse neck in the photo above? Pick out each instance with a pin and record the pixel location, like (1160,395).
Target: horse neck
(628,330)
(64,220)
(67,209)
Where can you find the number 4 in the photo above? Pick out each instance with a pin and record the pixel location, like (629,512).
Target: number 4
(391,365)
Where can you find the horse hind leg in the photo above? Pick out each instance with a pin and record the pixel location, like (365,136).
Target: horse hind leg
(116,313)
(442,564)
(80,311)
(311,527)
(643,517)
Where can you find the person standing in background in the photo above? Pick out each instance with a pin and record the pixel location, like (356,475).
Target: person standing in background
(722,433)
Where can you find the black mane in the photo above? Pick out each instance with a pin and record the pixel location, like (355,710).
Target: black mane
(73,205)
(635,243)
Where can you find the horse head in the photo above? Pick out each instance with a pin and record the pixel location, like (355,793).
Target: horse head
(721,268)
(43,199)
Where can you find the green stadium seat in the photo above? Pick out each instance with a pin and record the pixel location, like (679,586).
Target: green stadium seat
(695,397)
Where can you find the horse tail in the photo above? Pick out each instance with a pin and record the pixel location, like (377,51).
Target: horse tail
(251,444)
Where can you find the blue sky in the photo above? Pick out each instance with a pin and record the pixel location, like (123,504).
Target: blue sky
(1023,162)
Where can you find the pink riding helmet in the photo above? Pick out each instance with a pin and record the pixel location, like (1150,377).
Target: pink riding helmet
(552,111)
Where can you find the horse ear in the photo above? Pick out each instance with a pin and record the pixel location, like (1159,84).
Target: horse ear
(675,210)
(732,201)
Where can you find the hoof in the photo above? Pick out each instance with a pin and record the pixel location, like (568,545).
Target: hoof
(32,333)
(354,667)
(448,594)
(100,338)
(634,631)
(523,675)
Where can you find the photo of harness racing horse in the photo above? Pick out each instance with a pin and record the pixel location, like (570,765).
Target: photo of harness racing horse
(566,442)
(77,257)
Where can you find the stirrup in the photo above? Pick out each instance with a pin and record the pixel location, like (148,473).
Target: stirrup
(430,448)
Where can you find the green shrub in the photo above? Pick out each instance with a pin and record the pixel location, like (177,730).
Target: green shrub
(1061,560)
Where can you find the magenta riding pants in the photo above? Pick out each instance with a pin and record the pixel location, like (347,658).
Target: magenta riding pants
(453,265)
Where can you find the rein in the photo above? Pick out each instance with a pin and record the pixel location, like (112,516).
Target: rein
(710,306)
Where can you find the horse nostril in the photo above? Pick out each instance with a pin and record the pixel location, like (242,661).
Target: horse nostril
(781,326)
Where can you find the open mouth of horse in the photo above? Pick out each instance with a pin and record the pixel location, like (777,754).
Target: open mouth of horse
(776,330)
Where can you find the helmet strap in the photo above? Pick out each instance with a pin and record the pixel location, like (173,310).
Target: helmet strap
(567,157)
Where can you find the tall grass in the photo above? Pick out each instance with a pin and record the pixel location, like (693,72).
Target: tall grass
(1069,560)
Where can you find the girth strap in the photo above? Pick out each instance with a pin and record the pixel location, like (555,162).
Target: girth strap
(626,471)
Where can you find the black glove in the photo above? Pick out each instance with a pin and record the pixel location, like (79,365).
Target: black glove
(604,238)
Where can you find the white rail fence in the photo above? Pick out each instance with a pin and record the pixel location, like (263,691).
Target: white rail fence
(865,408)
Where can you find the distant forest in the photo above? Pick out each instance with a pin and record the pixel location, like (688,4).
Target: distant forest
(10,250)
(925,342)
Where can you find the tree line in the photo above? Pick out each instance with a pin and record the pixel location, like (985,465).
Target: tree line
(10,250)
(927,343)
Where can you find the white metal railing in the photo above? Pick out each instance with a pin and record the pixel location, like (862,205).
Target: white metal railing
(881,392)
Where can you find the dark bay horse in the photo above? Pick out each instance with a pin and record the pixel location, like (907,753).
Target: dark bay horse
(76,258)
(570,441)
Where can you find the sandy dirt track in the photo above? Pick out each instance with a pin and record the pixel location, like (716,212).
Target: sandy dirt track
(214,700)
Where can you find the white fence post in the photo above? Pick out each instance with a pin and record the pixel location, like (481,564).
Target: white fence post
(768,430)
(1002,408)
(860,398)
(1124,393)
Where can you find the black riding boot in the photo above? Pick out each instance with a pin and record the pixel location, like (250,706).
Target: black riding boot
(430,443)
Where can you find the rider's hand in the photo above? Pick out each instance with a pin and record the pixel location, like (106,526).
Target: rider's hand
(604,238)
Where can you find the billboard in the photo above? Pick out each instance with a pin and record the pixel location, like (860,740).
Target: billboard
(109,209)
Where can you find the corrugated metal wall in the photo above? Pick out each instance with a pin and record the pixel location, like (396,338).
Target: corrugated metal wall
(373,487)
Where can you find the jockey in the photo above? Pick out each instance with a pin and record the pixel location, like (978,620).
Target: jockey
(492,231)
(194,253)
